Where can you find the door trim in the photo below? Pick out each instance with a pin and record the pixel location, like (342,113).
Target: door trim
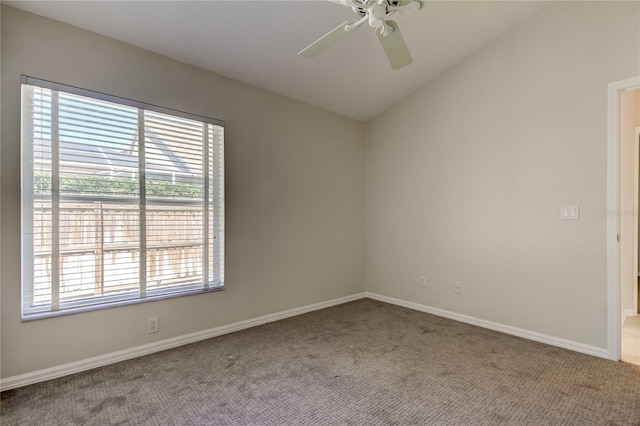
(613,213)
(636,176)
(636,224)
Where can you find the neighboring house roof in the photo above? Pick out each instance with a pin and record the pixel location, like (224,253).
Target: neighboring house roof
(167,156)
(113,161)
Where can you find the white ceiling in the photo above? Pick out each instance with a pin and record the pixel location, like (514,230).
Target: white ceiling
(256,42)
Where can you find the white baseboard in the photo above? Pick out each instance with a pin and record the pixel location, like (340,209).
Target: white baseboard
(113,357)
(507,329)
(626,314)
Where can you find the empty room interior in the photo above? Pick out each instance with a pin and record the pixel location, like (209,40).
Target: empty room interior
(213,214)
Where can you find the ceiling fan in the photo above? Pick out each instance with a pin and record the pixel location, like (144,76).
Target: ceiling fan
(376,13)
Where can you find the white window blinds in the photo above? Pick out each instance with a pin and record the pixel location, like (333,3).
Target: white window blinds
(121,201)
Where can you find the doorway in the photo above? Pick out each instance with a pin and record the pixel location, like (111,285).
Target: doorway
(622,246)
(630,140)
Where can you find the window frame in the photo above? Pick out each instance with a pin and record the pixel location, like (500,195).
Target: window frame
(143,295)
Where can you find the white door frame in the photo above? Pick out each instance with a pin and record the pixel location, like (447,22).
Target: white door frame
(614,307)
(636,217)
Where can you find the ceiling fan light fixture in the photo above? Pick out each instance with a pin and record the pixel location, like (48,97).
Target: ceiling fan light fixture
(377,14)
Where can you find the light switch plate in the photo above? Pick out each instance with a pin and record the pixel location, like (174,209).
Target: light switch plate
(570,213)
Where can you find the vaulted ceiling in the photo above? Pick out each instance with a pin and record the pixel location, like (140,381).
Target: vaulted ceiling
(256,42)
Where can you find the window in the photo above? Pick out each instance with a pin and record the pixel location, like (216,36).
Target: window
(121,201)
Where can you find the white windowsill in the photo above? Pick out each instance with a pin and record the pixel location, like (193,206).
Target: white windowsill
(116,304)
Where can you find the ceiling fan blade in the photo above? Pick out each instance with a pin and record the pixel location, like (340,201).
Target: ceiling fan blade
(326,40)
(395,48)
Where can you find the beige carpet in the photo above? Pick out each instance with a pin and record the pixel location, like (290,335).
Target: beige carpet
(362,363)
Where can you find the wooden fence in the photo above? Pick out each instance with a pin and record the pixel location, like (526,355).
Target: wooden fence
(99,247)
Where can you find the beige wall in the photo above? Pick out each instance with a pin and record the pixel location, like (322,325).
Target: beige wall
(630,109)
(465,178)
(295,198)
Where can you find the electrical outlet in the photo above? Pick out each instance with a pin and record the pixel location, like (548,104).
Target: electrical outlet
(458,288)
(423,282)
(154,325)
